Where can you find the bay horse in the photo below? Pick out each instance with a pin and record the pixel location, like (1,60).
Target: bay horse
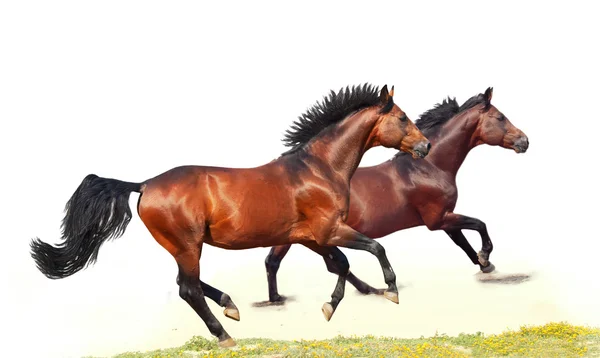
(402,193)
(301,197)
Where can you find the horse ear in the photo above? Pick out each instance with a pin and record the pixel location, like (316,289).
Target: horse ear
(392,91)
(386,100)
(488,94)
(384,95)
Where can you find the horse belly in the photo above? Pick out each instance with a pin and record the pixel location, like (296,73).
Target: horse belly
(254,223)
(384,216)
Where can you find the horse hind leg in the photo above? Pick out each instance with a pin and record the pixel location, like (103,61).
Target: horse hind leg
(341,261)
(187,256)
(190,290)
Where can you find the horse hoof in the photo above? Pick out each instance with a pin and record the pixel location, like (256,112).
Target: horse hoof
(327,310)
(227,343)
(489,268)
(392,296)
(232,313)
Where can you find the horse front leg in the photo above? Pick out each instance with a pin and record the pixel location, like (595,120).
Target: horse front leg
(454,223)
(222,299)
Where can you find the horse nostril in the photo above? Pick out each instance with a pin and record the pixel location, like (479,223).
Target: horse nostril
(428,146)
(522,144)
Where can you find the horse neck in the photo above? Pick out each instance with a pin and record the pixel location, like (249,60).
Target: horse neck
(343,145)
(453,142)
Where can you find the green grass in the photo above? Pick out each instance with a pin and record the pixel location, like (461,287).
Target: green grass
(551,340)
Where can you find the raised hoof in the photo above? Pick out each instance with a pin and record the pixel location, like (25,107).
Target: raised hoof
(227,343)
(489,268)
(327,310)
(232,313)
(392,296)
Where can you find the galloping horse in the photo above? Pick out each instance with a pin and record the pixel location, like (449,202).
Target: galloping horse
(403,193)
(301,197)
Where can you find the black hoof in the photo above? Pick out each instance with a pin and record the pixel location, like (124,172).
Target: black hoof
(489,268)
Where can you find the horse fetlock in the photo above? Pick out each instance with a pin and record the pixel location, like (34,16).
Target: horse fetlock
(225,301)
(390,279)
(230,311)
(483,258)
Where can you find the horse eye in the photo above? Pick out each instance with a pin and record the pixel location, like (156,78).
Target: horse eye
(403,118)
(501,118)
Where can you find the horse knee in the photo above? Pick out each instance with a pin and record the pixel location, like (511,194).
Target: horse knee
(185,291)
(188,289)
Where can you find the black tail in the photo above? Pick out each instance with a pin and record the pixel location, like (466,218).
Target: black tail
(97,211)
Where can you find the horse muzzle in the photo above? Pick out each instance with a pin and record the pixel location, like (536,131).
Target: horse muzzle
(521,145)
(421,150)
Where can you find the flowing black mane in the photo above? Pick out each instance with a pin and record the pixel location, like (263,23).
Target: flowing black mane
(432,120)
(331,110)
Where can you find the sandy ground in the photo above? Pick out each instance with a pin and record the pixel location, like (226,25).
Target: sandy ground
(103,312)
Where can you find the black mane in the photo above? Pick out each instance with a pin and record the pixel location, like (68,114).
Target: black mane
(331,110)
(431,121)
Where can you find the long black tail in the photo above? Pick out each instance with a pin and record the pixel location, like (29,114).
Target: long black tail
(97,211)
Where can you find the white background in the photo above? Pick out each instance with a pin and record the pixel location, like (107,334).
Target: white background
(129,89)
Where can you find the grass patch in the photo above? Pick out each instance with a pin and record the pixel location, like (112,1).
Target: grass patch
(550,340)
